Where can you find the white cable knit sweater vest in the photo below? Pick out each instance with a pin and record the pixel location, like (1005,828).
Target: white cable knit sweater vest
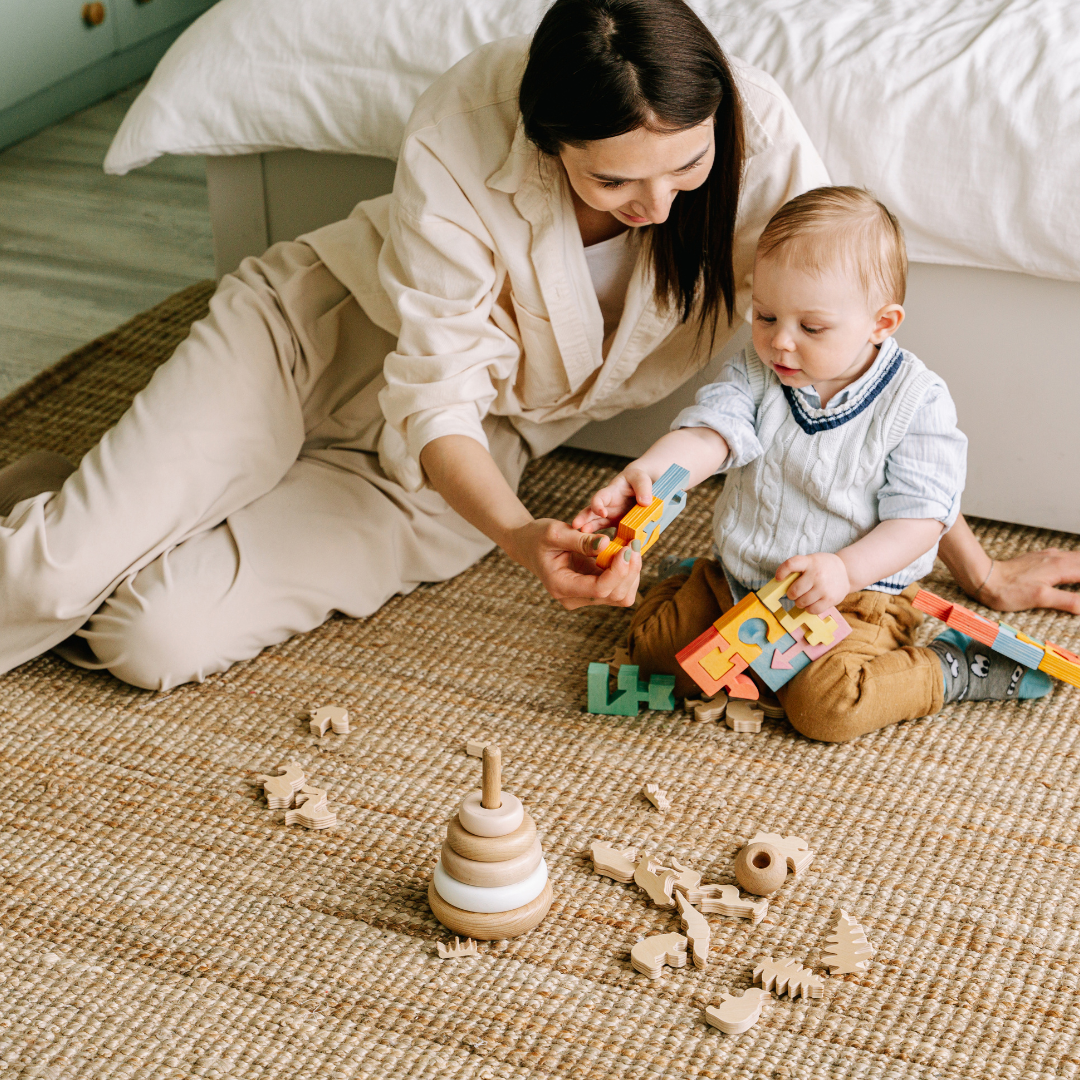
(815,488)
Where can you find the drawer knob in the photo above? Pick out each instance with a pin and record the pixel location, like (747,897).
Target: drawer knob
(93,14)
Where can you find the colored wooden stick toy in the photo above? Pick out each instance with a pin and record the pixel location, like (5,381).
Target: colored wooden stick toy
(646,523)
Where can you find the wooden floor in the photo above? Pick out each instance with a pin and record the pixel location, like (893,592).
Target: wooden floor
(81,252)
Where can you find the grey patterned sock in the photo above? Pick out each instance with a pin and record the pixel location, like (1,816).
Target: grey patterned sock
(975,673)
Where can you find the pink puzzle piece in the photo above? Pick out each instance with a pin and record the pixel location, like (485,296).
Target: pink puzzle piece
(782,660)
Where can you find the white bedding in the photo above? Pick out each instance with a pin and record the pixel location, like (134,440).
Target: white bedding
(962,115)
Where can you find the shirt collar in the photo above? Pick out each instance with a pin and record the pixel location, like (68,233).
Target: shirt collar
(812,400)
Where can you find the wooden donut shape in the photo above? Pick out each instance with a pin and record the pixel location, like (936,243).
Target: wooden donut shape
(482,927)
(491,848)
(760,869)
(500,821)
(490,875)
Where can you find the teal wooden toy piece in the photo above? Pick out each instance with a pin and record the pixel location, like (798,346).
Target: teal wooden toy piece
(1008,644)
(631,692)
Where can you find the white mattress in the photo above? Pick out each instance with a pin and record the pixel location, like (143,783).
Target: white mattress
(962,115)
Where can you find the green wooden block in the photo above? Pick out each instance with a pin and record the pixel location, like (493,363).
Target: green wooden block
(662,692)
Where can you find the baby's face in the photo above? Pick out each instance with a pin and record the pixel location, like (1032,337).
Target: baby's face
(815,329)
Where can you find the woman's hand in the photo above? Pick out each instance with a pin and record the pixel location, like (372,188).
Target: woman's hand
(1024,581)
(563,558)
(633,486)
(822,582)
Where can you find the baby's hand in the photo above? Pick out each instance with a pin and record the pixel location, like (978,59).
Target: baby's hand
(609,504)
(822,582)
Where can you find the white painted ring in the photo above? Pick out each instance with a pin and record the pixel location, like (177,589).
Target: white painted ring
(480,821)
(489,901)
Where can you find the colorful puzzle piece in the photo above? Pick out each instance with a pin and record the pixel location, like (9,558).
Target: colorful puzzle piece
(1016,645)
(659,691)
(757,633)
(646,523)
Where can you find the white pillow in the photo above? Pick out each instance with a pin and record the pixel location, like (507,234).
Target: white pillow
(961,118)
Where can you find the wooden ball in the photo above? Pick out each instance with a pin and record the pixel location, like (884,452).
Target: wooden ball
(491,848)
(485,927)
(760,869)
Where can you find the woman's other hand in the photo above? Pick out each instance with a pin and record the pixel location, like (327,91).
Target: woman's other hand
(564,559)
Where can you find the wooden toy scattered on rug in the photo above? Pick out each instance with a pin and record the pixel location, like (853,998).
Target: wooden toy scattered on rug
(658,692)
(697,929)
(737,1012)
(760,869)
(757,633)
(646,523)
(330,716)
(707,708)
(657,796)
(649,956)
(281,790)
(491,881)
(786,976)
(657,880)
(311,809)
(466,951)
(794,849)
(850,950)
(725,900)
(1002,638)
(619,865)
(743,715)
(688,880)
(475,747)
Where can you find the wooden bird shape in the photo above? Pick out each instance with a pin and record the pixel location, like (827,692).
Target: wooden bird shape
(650,955)
(281,789)
(737,1012)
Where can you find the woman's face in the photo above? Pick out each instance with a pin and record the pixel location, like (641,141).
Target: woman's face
(636,176)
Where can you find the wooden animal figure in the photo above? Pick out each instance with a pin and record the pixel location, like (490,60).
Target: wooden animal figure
(850,950)
(330,716)
(656,880)
(697,930)
(687,879)
(650,955)
(453,952)
(281,789)
(725,900)
(737,1012)
(793,848)
(657,796)
(311,810)
(786,976)
(619,865)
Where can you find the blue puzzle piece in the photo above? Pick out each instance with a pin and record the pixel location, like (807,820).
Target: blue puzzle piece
(1008,644)
(673,478)
(755,632)
(659,692)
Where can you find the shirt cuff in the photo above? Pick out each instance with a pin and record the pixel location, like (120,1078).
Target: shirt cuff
(894,507)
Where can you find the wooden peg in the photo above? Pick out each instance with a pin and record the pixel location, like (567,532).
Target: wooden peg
(491,786)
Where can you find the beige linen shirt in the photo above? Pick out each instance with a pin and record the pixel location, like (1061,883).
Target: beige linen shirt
(475,263)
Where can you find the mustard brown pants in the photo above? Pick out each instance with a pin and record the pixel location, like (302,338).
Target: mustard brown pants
(876,676)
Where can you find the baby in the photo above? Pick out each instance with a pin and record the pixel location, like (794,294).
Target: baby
(843,462)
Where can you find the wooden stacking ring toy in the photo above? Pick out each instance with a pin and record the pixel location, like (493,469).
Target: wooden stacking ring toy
(491,881)
(490,875)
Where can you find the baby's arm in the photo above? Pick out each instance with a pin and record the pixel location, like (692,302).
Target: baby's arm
(826,579)
(699,449)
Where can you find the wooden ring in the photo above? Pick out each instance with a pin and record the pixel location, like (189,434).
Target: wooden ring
(490,875)
(489,901)
(481,821)
(491,848)
(481,927)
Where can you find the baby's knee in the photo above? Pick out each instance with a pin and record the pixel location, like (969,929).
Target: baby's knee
(151,638)
(823,707)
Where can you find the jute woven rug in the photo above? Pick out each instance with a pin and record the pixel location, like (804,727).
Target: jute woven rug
(160,922)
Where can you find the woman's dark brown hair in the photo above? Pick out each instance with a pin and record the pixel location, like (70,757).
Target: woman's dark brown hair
(600,68)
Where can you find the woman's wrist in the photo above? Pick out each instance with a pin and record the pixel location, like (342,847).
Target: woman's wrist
(970,566)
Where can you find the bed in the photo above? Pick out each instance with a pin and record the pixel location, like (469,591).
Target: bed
(963,118)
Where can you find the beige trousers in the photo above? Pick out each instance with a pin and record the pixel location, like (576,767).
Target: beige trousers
(239,501)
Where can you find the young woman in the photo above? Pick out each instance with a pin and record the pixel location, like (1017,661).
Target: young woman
(571,234)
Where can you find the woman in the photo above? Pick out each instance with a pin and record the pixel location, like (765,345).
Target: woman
(570,235)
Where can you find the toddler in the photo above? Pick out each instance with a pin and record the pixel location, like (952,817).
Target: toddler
(843,462)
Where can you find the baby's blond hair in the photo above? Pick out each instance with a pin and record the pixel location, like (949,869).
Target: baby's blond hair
(845,226)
